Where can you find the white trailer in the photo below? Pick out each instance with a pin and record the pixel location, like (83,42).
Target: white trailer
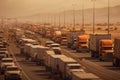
(84,76)
(40,58)
(34,50)
(54,62)
(116,55)
(62,63)
(94,43)
(47,59)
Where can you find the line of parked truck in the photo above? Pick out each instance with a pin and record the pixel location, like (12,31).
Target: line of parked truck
(100,46)
(51,57)
(8,66)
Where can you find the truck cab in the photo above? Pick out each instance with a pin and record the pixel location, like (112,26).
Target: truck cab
(73,68)
(56,48)
(63,41)
(48,43)
(106,49)
(83,43)
(13,73)
(6,62)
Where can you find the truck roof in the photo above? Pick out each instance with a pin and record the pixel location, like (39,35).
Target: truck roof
(76,64)
(7,58)
(28,44)
(58,56)
(67,59)
(77,70)
(85,36)
(55,44)
(106,41)
(36,46)
(50,52)
(12,66)
(86,75)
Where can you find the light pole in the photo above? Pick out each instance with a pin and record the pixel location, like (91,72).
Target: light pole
(93,16)
(64,19)
(59,20)
(54,20)
(73,17)
(108,17)
(82,16)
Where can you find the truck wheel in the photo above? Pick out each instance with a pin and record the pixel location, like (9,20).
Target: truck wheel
(115,62)
(6,78)
(92,54)
(101,58)
(77,50)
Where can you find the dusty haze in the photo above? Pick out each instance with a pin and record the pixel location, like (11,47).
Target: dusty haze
(11,8)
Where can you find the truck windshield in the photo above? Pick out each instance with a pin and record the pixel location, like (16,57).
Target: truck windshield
(107,48)
(74,67)
(7,60)
(64,38)
(13,69)
(55,46)
(82,42)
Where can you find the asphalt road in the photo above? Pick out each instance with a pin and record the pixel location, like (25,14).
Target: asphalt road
(31,71)
(104,70)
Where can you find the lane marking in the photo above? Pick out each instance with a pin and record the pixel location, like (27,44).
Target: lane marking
(19,64)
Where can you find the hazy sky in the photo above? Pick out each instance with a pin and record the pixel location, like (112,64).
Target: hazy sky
(28,7)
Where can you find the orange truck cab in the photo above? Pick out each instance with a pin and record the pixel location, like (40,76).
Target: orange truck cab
(83,43)
(106,49)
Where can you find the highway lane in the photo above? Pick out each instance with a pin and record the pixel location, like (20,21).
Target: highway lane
(90,66)
(95,66)
(102,69)
(31,71)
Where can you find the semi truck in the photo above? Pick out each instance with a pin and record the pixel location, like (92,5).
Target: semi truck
(101,45)
(82,43)
(57,36)
(116,55)
(62,63)
(71,38)
(64,37)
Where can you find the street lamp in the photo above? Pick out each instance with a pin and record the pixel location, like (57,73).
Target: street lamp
(93,16)
(73,17)
(64,19)
(108,17)
(59,20)
(82,16)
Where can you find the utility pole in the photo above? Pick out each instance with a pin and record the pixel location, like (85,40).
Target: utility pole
(108,17)
(64,19)
(73,17)
(82,16)
(54,20)
(59,20)
(93,16)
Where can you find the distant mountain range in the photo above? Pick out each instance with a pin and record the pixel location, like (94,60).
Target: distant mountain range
(101,15)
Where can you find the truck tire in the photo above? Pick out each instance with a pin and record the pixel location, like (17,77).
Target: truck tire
(77,50)
(115,62)
(92,54)
(101,58)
